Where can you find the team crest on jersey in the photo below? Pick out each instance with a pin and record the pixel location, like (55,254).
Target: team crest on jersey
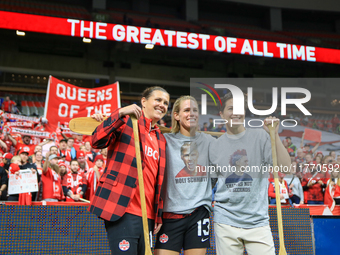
(163,238)
(124,245)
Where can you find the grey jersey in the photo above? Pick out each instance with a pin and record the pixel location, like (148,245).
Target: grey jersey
(242,196)
(186,189)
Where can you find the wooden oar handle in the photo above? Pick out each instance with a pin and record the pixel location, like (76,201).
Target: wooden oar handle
(272,128)
(84,200)
(272,132)
(141,186)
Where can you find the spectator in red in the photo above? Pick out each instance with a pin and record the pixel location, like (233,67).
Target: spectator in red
(37,148)
(332,192)
(7,105)
(84,165)
(313,183)
(7,160)
(14,168)
(19,163)
(78,141)
(53,150)
(285,192)
(40,127)
(63,148)
(39,162)
(90,154)
(8,140)
(74,183)
(328,163)
(309,159)
(26,165)
(51,181)
(307,146)
(333,155)
(26,139)
(63,170)
(319,153)
(94,175)
(300,158)
(318,159)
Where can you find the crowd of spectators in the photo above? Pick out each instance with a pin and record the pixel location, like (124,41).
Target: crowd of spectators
(314,176)
(67,168)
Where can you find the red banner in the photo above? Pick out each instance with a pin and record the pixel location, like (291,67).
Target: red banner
(65,101)
(168,38)
(313,135)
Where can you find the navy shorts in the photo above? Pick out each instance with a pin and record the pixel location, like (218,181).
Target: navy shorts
(191,232)
(125,235)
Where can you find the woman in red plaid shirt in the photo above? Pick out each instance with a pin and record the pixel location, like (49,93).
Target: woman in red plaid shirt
(116,199)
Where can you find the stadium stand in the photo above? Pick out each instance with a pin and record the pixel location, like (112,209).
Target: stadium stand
(50,9)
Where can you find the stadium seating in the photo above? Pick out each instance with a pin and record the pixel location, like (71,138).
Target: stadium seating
(50,9)
(24,108)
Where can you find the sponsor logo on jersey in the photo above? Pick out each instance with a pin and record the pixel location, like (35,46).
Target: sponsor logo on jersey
(151,153)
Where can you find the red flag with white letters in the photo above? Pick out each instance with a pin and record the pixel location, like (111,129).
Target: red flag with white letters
(65,101)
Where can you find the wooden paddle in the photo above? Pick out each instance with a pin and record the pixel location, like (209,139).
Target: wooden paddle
(141,186)
(86,126)
(282,250)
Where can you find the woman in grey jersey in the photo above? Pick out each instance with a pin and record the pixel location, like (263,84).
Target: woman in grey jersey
(187,187)
(241,210)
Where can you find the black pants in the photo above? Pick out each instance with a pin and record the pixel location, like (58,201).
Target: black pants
(125,235)
(13,198)
(295,199)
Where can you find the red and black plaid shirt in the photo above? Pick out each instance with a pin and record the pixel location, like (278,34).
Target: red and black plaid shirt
(118,183)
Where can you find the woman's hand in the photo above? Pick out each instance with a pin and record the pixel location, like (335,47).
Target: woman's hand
(157,228)
(99,117)
(131,109)
(270,121)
